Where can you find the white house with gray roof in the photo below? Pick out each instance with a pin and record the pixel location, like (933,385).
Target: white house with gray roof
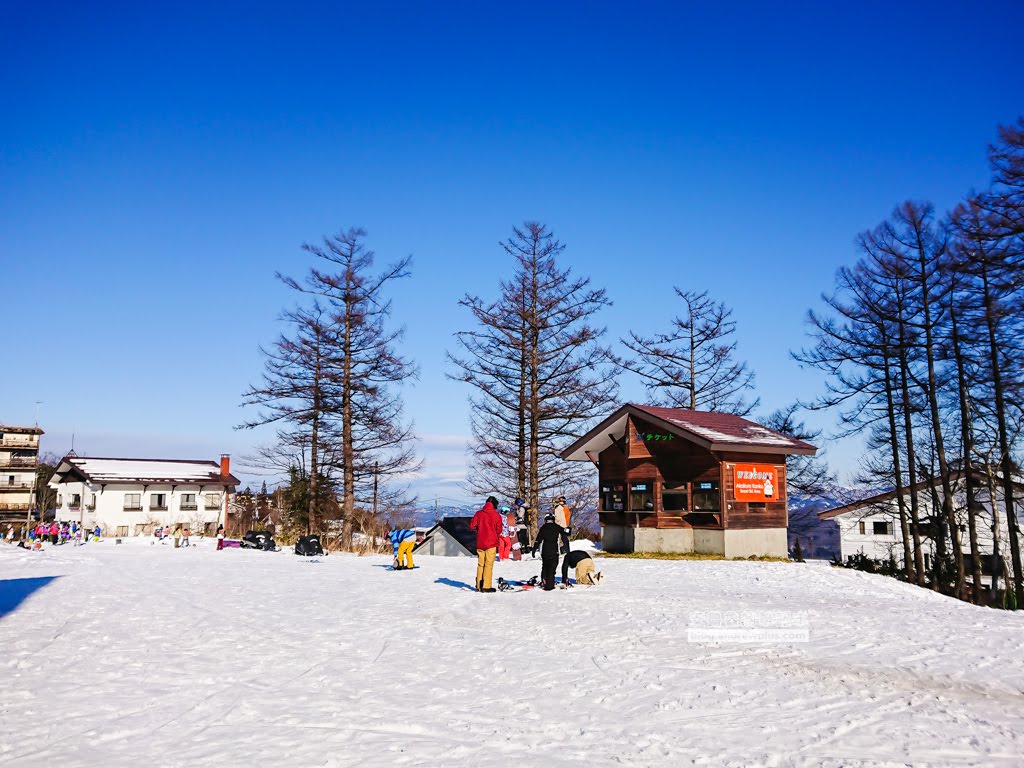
(131,497)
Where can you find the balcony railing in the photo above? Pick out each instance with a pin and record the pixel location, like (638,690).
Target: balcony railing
(18,461)
(16,486)
(14,507)
(15,442)
(157,507)
(132,507)
(189,507)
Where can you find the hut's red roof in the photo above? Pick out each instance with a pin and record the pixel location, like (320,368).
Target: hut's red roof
(715,431)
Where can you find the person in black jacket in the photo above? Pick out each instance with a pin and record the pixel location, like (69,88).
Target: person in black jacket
(584,565)
(547,543)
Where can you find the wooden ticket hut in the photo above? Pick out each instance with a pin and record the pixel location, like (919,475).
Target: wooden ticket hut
(676,480)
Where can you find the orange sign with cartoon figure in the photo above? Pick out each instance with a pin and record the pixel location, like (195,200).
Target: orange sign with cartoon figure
(756,482)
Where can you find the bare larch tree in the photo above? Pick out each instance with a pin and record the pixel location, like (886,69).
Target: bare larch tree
(692,365)
(539,373)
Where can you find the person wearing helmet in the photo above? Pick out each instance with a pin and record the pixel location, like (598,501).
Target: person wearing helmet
(505,538)
(547,543)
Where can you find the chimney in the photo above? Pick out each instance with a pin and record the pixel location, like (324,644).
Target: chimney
(225,464)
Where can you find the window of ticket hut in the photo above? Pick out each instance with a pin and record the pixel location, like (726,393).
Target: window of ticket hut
(613,497)
(706,497)
(675,497)
(641,496)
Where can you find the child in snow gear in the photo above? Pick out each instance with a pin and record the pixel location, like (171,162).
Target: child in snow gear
(505,539)
(487,524)
(548,539)
(403,540)
(584,566)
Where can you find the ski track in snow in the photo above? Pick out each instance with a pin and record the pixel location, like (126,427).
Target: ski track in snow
(146,655)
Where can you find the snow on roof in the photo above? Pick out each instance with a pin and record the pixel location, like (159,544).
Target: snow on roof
(100,470)
(711,429)
(723,428)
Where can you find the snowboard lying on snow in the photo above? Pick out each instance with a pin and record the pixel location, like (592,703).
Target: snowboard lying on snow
(518,586)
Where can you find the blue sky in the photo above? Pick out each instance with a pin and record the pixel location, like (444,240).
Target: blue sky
(157,165)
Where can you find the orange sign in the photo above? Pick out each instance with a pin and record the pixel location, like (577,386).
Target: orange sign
(756,482)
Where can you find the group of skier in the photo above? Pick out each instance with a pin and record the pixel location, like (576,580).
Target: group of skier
(552,542)
(53,533)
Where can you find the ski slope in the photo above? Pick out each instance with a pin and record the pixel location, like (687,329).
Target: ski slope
(143,655)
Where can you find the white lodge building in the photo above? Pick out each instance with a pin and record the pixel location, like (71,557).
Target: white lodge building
(131,497)
(871,526)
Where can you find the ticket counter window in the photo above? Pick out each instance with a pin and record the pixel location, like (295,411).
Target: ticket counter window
(706,497)
(613,498)
(641,497)
(675,497)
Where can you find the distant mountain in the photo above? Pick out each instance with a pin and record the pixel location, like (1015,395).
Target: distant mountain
(427,516)
(819,539)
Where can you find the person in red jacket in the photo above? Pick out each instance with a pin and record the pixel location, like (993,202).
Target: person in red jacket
(487,524)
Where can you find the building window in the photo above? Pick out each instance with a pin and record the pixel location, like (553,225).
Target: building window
(158,502)
(213,501)
(90,501)
(881,528)
(641,497)
(675,497)
(76,500)
(862,527)
(133,502)
(612,497)
(188,502)
(706,497)
(60,500)
(10,480)
(122,530)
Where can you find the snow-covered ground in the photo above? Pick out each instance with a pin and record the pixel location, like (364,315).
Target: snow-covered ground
(140,655)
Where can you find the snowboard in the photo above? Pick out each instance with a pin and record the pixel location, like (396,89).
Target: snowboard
(518,586)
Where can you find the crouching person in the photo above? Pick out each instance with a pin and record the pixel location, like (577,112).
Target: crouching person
(584,565)
(403,540)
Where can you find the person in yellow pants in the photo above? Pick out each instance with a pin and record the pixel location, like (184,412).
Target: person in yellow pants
(403,540)
(487,524)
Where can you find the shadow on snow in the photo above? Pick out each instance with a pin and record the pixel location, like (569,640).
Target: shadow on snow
(13,592)
(454,583)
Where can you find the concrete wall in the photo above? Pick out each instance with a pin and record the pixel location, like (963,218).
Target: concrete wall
(662,539)
(707,542)
(751,542)
(729,543)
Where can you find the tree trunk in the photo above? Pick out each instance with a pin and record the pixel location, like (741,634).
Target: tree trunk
(908,428)
(347,448)
(909,568)
(967,443)
(932,394)
(1006,460)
